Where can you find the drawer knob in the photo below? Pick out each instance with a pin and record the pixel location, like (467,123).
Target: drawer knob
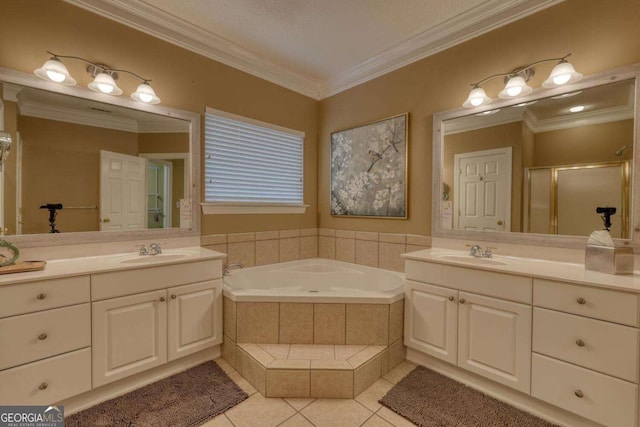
(174,296)
(581,301)
(43,386)
(162,299)
(462,300)
(579,394)
(41,296)
(451,298)
(42,337)
(580,343)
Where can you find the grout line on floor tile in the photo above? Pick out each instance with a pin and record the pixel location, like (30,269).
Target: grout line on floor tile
(229,419)
(373,414)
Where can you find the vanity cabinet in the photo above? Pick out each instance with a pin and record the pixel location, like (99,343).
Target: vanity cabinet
(488,336)
(137,332)
(45,340)
(574,346)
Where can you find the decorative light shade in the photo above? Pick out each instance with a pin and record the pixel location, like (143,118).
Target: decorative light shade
(562,74)
(516,86)
(55,71)
(477,97)
(104,83)
(146,94)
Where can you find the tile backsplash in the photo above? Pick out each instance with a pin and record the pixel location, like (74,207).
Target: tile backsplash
(372,249)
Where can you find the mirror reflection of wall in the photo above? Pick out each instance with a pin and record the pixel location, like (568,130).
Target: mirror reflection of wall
(57,160)
(557,146)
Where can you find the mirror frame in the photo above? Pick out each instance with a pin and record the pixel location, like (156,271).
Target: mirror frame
(563,241)
(42,240)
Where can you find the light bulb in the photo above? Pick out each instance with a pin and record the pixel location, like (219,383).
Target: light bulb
(55,76)
(516,86)
(145,97)
(561,79)
(105,88)
(514,91)
(145,93)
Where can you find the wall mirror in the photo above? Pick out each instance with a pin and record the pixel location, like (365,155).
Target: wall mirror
(535,170)
(89,167)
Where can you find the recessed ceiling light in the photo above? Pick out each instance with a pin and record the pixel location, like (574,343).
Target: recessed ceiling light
(524,104)
(567,95)
(488,113)
(577,108)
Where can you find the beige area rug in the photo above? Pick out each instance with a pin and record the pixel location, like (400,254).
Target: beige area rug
(429,399)
(186,399)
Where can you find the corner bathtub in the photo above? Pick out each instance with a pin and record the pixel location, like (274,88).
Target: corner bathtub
(314,281)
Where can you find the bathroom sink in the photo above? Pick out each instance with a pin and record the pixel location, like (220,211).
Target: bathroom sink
(473,260)
(146,259)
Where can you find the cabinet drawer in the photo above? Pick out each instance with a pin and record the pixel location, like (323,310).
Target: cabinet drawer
(43,295)
(605,347)
(121,283)
(504,286)
(603,304)
(606,400)
(47,381)
(35,336)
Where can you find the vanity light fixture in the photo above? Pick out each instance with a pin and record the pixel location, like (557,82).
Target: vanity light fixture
(104,78)
(516,81)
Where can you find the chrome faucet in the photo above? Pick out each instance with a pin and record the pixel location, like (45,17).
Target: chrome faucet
(230,267)
(155,249)
(477,252)
(143,250)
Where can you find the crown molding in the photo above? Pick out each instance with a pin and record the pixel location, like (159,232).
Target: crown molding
(165,26)
(480,20)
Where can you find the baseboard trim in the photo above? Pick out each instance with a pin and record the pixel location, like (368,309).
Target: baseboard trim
(109,391)
(512,397)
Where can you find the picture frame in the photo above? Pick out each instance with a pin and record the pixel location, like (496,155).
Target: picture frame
(369,169)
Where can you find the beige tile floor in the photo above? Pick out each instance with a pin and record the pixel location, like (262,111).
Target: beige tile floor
(364,410)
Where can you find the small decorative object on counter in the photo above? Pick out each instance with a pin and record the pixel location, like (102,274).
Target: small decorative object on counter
(8,253)
(602,254)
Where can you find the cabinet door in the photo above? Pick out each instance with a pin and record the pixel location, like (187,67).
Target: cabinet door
(195,318)
(129,335)
(431,320)
(494,340)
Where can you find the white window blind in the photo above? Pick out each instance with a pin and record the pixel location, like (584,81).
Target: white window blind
(251,162)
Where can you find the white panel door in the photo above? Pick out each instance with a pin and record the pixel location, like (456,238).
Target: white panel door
(482,195)
(123,198)
(494,340)
(195,318)
(129,335)
(431,320)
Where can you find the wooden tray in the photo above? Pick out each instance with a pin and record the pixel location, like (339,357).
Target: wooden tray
(22,266)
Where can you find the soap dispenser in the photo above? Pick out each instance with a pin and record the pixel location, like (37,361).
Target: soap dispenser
(602,254)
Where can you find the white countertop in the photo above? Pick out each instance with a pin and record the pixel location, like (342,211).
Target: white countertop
(530,267)
(105,263)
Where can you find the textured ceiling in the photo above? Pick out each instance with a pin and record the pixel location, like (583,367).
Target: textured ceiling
(318,38)
(315,47)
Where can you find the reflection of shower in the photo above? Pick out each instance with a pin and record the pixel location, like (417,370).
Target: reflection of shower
(619,152)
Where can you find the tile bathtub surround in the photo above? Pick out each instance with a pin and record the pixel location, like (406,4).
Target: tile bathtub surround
(373,249)
(311,323)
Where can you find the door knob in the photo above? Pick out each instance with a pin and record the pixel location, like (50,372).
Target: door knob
(500,222)
(106,220)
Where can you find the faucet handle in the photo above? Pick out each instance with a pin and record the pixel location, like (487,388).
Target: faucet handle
(488,252)
(143,249)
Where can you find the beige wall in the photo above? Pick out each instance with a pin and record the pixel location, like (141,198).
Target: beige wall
(601,34)
(61,164)
(163,142)
(584,144)
(181,78)
(509,135)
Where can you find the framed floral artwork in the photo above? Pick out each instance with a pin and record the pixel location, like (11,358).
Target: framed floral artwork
(369,169)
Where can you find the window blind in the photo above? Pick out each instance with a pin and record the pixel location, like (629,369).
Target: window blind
(251,162)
